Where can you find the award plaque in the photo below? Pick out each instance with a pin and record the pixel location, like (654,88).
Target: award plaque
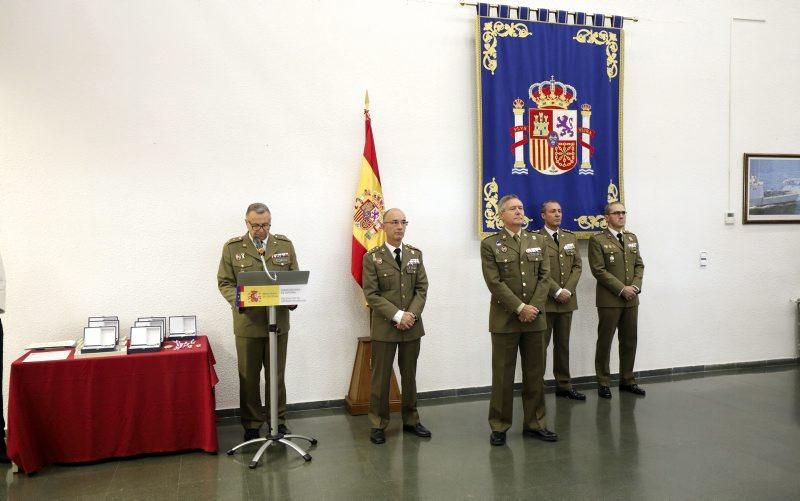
(145,339)
(153,322)
(183,327)
(99,339)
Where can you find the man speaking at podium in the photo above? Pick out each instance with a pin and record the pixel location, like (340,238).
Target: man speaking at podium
(240,254)
(395,286)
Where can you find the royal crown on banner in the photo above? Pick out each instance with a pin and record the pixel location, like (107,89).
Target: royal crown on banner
(553,133)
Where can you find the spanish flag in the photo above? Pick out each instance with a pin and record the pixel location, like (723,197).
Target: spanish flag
(368,202)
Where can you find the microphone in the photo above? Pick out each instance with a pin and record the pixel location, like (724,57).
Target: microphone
(260,248)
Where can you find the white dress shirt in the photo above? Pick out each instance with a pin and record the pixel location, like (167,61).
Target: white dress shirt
(399,315)
(551,233)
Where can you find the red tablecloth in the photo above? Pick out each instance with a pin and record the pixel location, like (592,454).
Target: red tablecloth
(86,409)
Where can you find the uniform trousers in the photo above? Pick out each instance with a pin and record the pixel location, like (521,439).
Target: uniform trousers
(252,356)
(531,348)
(623,320)
(382,362)
(558,328)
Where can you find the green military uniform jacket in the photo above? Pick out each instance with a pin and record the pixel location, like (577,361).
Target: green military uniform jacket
(565,269)
(239,254)
(389,288)
(515,273)
(614,267)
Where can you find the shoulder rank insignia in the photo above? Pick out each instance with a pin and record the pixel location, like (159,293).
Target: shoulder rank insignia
(234,239)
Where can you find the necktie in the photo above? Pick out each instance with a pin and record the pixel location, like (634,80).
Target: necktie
(397,256)
(619,237)
(516,238)
(555,237)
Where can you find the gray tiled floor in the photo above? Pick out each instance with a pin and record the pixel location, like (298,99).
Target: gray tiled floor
(732,435)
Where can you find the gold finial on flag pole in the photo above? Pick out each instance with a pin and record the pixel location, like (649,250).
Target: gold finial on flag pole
(366,100)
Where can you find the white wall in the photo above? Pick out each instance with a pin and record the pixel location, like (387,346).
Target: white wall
(133,135)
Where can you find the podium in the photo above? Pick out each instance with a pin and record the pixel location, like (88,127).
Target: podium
(269,289)
(356,402)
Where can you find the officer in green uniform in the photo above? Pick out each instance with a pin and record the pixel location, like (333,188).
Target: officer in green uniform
(515,268)
(565,270)
(616,262)
(395,286)
(250,325)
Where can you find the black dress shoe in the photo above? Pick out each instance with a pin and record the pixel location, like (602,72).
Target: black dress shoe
(604,392)
(250,434)
(541,434)
(498,438)
(376,436)
(571,394)
(632,388)
(417,429)
(283,429)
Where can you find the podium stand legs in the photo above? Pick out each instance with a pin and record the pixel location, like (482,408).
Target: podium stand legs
(274,436)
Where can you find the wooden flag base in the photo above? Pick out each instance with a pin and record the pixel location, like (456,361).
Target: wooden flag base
(357,400)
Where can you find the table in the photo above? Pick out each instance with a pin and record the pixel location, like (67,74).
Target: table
(86,409)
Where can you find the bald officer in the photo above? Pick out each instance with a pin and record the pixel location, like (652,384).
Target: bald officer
(250,324)
(565,270)
(395,286)
(616,263)
(515,268)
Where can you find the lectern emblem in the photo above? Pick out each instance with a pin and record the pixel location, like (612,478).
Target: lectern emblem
(254,296)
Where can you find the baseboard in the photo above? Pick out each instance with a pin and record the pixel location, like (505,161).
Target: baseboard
(582,382)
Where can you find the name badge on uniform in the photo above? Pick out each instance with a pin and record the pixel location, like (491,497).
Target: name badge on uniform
(412,265)
(633,247)
(280,258)
(569,249)
(534,253)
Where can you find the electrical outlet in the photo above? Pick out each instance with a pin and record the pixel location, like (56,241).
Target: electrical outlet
(730,217)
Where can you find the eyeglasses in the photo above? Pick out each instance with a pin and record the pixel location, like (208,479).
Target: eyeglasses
(260,226)
(618,213)
(396,221)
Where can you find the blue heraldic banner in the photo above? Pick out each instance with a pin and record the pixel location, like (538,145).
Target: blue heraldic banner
(550,118)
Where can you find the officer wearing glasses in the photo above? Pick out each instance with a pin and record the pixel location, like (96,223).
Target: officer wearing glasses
(616,262)
(250,324)
(395,286)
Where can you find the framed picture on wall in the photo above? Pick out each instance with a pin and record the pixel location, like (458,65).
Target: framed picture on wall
(771,189)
